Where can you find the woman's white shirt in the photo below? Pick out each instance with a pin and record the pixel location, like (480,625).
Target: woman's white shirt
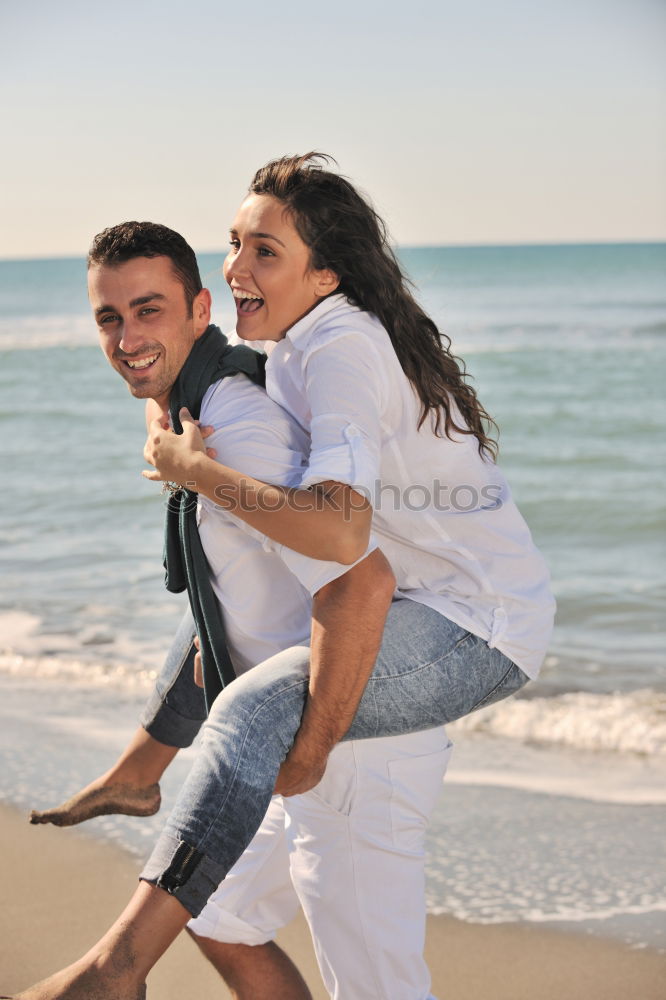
(443,516)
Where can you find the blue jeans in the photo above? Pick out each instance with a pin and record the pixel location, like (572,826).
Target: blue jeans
(429,671)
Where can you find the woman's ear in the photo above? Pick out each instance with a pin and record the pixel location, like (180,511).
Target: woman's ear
(326,281)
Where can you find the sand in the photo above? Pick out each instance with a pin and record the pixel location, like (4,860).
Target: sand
(61,889)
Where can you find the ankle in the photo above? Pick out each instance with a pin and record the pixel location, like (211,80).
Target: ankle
(116,964)
(138,779)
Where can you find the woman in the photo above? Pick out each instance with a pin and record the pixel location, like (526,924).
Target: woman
(399,443)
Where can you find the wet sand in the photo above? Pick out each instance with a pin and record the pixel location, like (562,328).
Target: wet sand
(61,889)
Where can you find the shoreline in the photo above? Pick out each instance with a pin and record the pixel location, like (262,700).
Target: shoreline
(61,888)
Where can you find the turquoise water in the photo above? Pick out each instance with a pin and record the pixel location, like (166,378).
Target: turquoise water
(558,797)
(567,347)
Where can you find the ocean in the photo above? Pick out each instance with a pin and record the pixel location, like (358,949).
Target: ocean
(554,807)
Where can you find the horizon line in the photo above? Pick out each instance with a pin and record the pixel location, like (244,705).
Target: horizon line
(503,245)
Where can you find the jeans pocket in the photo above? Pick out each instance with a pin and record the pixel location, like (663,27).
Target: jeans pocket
(416,785)
(513,680)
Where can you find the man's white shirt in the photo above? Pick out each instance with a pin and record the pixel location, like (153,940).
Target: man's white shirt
(264,589)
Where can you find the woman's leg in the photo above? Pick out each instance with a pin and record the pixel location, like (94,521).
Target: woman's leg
(176,709)
(429,671)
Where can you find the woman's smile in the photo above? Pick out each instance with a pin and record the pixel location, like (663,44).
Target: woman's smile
(269,271)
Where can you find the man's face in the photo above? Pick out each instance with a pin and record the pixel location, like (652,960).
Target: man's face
(144,328)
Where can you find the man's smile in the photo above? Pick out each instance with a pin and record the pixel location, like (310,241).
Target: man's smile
(140,364)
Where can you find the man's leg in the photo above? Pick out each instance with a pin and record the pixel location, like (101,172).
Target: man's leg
(235,929)
(357,863)
(255,972)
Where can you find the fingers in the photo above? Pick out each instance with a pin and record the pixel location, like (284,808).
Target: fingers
(158,424)
(198,667)
(198,671)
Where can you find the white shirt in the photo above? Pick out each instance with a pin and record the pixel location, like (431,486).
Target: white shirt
(443,516)
(264,588)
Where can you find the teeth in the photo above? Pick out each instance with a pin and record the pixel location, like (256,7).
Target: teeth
(238,293)
(144,362)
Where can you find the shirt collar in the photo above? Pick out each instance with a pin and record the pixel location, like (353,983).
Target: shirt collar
(300,331)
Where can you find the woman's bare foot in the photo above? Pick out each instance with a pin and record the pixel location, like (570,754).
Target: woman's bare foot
(130,786)
(102,798)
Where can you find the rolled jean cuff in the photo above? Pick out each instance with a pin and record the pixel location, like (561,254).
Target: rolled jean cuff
(166,725)
(185,873)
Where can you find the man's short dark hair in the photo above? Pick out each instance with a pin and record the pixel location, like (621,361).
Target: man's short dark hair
(148,239)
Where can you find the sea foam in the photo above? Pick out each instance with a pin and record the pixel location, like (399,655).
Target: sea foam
(628,722)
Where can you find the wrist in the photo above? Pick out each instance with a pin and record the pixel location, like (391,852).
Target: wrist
(194,472)
(314,741)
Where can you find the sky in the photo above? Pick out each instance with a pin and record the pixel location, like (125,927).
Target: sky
(466,121)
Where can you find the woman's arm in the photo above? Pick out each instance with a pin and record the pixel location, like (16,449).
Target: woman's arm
(328,521)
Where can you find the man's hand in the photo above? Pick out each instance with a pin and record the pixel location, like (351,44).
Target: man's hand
(173,455)
(301,771)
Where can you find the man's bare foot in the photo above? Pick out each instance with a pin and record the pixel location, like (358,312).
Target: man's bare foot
(100,799)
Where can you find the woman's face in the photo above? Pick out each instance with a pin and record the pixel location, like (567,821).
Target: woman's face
(268,271)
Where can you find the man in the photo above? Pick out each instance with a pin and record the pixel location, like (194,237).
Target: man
(351,850)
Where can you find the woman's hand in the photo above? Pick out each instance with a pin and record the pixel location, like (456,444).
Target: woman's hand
(174,455)
(198,668)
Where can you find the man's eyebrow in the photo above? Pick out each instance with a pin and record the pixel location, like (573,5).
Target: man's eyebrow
(261,236)
(140,301)
(143,299)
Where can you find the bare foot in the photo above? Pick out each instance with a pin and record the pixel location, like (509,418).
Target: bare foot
(98,799)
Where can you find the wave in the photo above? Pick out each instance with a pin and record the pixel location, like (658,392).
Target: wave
(627,722)
(35,333)
(539,915)
(631,722)
(92,673)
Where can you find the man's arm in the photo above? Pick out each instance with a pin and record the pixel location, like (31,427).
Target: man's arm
(348,618)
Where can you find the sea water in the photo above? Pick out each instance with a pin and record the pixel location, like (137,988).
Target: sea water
(558,796)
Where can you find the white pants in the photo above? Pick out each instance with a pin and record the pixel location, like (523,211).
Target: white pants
(351,853)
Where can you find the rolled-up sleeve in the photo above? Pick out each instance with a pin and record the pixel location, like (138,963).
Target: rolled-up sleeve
(344,388)
(314,574)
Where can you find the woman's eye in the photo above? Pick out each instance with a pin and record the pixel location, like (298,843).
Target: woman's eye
(265,252)
(235,244)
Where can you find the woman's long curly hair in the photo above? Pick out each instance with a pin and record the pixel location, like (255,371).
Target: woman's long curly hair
(345,234)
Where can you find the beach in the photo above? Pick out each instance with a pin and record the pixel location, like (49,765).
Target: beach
(61,888)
